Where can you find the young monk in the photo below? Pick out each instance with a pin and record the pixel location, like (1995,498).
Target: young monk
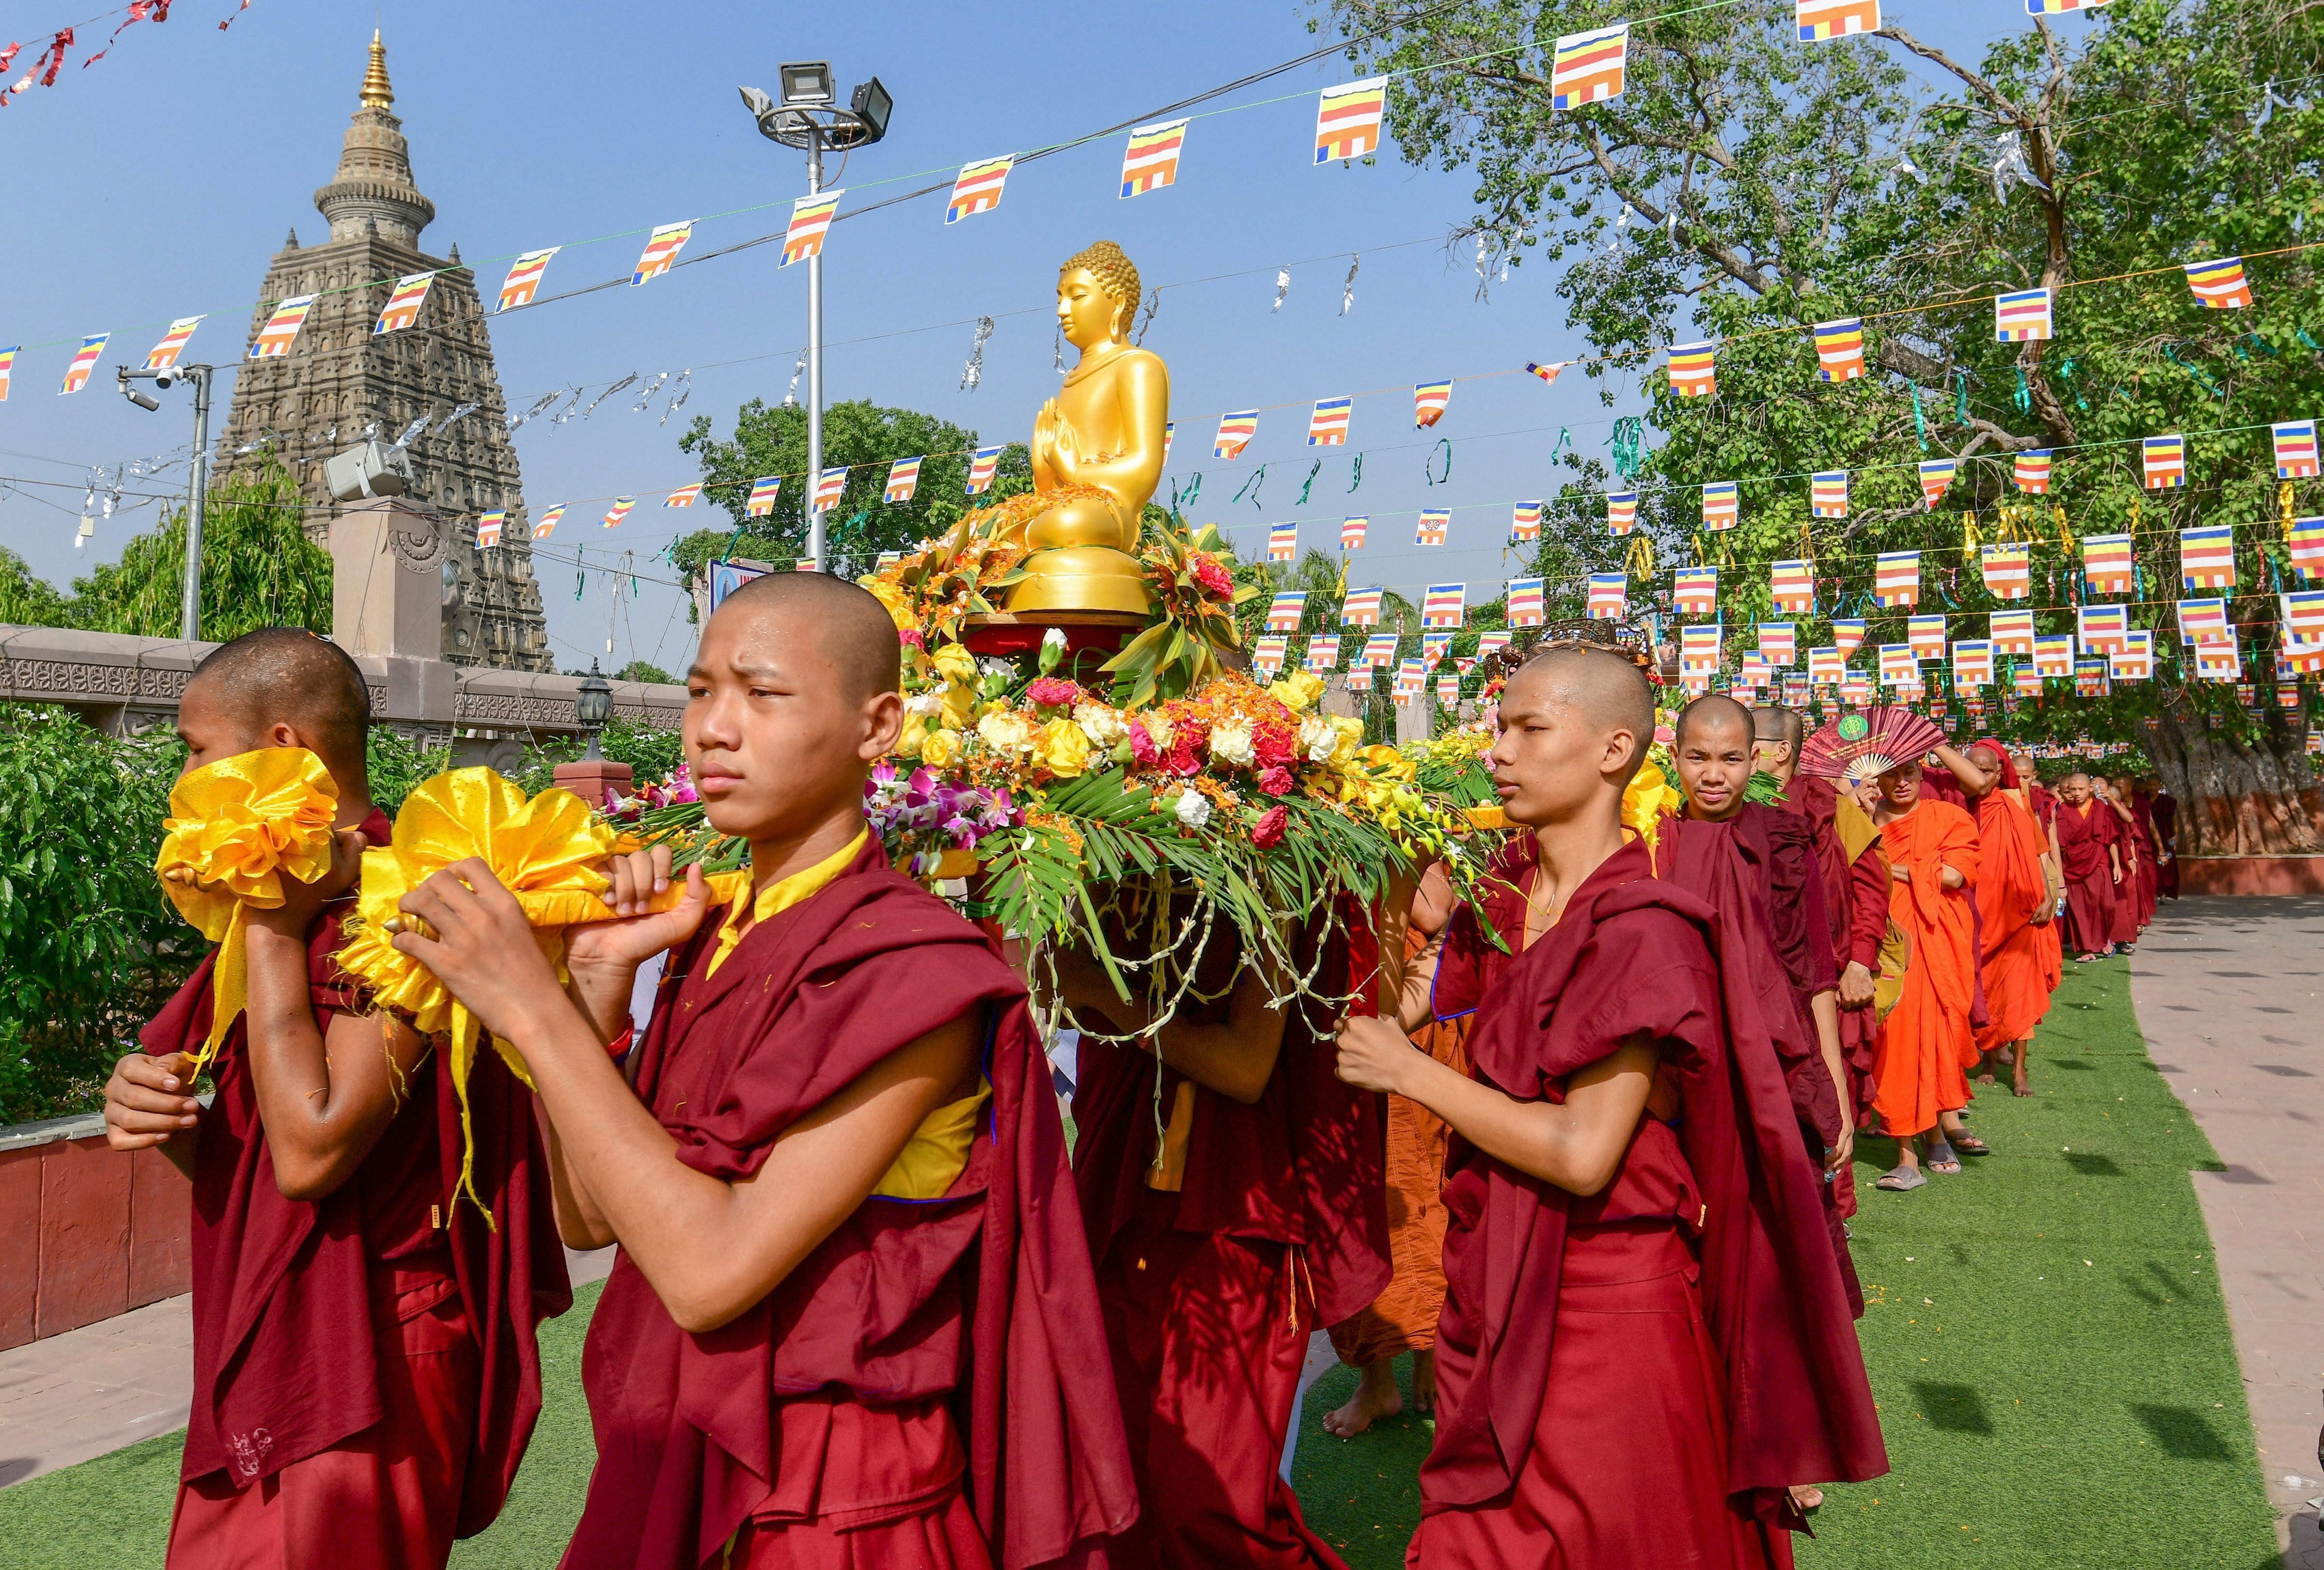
(2014,902)
(1644,1338)
(1255,1214)
(2162,819)
(1927,1042)
(366,1376)
(1403,1318)
(849,1322)
(2138,880)
(2092,865)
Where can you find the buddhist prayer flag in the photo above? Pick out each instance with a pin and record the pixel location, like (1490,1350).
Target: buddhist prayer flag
(811,219)
(1793,583)
(2295,449)
(1828,493)
(1443,606)
(2021,316)
(1839,349)
(1411,679)
(683,495)
(1692,371)
(764,492)
(2090,679)
(2012,632)
(1525,598)
(1448,689)
(1169,434)
(1586,68)
(488,527)
(2220,661)
(1826,667)
(2202,621)
(1936,479)
(806,564)
(2308,659)
(1379,651)
(1898,668)
(2303,613)
(2305,537)
(403,304)
(2219,285)
(1779,643)
(1699,648)
(2008,569)
(662,247)
(2206,557)
(1282,541)
(1609,596)
(173,343)
(7,369)
(1548,373)
(1926,637)
(1896,579)
(2135,660)
(981,467)
(619,510)
(1847,634)
(832,483)
(1973,663)
(1150,160)
(1235,431)
(1348,119)
(1696,591)
(1433,523)
(2054,653)
(524,278)
(1435,647)
(2027,679)
(2164,461)
(1491,640)
(1824,19)
(546,524)
(275,339)
(84,362)
(1323,652)
(903,480)
(1361,608)
(1622,512)
(2100,629)
(1428,402)
(1752,670)
(2106,564)
(2031,470)
(1267,653)
(1856,689)
(1525,523)
(1351,533)
(978,189)
(1328,426)
(1718,505)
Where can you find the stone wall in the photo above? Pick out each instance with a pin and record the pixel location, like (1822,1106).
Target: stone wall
(85,1232)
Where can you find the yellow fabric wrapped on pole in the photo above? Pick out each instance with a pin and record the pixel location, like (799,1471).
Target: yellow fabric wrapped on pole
(236,827)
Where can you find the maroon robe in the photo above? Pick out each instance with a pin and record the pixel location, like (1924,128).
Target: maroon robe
(318,1324)
(924,1381)
(1279,1228)
(2082,841)
(2163,814)
(2150,858)
(1815,802)
(1668,1439)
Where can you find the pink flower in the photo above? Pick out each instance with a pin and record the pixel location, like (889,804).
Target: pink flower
(1185,758)
(1052,692)
(1141,745)
(1276,781)
(1275,744)
(1267,831)
(1211,575)
(911,637)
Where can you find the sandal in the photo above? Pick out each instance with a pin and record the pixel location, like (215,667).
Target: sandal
(1940,1158)
(1969,1144)
(1901,1180)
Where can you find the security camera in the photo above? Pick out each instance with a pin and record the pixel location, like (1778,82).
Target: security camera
(161,379)
(143,400)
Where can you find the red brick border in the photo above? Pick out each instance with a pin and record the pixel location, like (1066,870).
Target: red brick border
(85,1232)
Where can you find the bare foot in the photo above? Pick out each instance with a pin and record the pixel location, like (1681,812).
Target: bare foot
(1376,1398)
(2018,1079)
(1423,1382)
(1806,1496)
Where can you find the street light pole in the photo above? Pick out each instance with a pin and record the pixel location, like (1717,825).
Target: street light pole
(189,604)
(815,520)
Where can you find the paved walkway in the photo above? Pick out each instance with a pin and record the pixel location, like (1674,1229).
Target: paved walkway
(93,1391)
(2230,993)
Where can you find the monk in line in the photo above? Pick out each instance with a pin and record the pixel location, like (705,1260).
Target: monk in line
(1644,1338)
(2092,864)
(2122,828)
(2013,900)
(849,1322)
(2040,800)
(2138,826)
(366,1375)
(2163,813)
(1927,1040)
(1403,1318)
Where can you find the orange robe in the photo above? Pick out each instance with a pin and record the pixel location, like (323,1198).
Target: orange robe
(2010,888)
(1926,1042)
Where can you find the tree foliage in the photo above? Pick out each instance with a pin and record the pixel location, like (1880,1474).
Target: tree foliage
(259,569)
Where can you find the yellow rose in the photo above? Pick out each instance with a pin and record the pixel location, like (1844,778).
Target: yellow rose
(940,748)
(1061,747)
(1006,732)
(889,595)
(954,663)
(959,707)
(1351,739)
(1298,691)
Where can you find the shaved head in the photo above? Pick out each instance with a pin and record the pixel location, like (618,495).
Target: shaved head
(1604,688)
(1772,725)
(1715,711)
(288,675)
(847,623)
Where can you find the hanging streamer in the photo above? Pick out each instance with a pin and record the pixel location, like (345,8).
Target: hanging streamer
(1282,288)
(1630,440)
(1357,479)
(1250,487)
(790,396)
(628,381)
(2023,397)
(1564,440)
(645,393)
(1179,504)
(1309,483)
(1961,395)
(678,395)
(1920,422)
(1428,464)
(1348,289)
(1146,317)
(1640,561)
(974,373)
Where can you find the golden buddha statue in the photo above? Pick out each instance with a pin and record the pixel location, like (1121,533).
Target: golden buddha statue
(1097,445)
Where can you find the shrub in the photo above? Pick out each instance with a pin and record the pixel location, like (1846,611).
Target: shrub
(651,753)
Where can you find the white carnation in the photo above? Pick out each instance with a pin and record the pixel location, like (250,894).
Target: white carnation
(1318,738)
(1232,744)
(1102,725)
(1194,809)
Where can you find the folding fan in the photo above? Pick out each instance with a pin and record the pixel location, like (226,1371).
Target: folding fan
(1857,746)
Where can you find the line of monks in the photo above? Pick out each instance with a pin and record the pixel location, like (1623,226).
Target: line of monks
(868,1310)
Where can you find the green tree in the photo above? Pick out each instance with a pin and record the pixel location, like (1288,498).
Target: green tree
(259,569)
(26,600)
(644,670)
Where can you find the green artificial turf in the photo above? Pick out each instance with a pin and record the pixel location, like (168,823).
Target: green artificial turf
(2045,1335)
(2044,1332)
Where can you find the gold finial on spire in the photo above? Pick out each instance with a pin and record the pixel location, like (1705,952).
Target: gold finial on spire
(376,93)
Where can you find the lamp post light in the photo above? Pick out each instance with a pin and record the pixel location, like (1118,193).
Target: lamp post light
(809,117)
(593,706)
(190,600)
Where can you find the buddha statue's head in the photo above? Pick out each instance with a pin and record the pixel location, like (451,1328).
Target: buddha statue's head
(1097,296)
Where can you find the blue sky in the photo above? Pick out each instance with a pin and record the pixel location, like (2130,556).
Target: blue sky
(157,184)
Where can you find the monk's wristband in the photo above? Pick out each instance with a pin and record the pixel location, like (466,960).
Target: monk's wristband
(619,1047)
